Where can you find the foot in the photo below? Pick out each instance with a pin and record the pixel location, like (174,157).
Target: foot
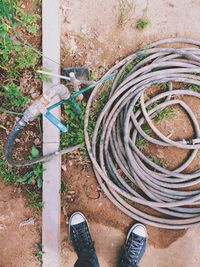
(134,247)
(80,234)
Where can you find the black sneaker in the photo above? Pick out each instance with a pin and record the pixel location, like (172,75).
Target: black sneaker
(80,234)
(134,247)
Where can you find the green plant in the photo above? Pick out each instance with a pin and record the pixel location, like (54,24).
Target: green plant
(166,113)
(44,77)
(163,86)
(38,252)
(34,200)
(13,97)
(124,12)
(129,68)
(75,133)
(141,143)
(32,176)
(193,87)
(146,128)
(141,24)
(7,174)
(158,161)
(153,105)
(64,188)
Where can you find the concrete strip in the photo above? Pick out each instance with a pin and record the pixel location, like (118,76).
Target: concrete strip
(52,170)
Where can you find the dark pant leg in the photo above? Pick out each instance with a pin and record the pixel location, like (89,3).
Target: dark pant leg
(87,260)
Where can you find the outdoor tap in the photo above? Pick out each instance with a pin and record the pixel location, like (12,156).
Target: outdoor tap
(40,105)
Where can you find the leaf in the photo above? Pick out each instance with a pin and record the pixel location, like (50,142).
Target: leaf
(21,179)
(39,182)
(35,152)
(2,127)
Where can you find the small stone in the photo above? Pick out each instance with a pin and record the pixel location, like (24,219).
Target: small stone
(34,95)
(30,221)
(37,142)
(19,190)
(64,168)
(71,192)
(2,226)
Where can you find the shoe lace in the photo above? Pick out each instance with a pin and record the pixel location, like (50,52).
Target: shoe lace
(134,250)
(83,239)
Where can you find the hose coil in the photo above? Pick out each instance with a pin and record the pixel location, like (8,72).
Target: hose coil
(162,197)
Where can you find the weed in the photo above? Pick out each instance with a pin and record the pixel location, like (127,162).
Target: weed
(29,20)
(64,188)
(75,133)
(193,87)
(44,77)
(129,68)
(98,104)
(141,143)
(152,105)
(146,128)
(93,76)
(7,174)
(13,97)
(141,24)
(34,200)
(124,12)
(166,113)
(32,176)
(163,86)
(38,251)
(158,161)
(130,183)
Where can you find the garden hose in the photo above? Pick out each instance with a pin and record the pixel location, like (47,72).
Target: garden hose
(160,197)
(21,163)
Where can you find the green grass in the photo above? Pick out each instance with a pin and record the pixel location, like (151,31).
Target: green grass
(153,105)
(158,161)
(7,174)
(38,252)
(129,68)
(166,113)
(124,12)
(146,128)
(163,86)
(13,98)
(141,143)
(34,200)
(11,175)
(15,55)
(193,87)
(141,24)
(75,133)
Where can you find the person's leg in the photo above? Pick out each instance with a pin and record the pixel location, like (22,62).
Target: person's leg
(87,261)
(82,242)
(134,246)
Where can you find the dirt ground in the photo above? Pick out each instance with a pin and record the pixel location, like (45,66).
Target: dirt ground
(92,36)
(17,239)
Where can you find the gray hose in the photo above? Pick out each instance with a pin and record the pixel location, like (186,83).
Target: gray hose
(161,197)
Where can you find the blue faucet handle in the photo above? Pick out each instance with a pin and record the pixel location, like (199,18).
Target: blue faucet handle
(55,121)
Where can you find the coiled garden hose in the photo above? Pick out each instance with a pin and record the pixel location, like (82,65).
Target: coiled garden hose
(162,198)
